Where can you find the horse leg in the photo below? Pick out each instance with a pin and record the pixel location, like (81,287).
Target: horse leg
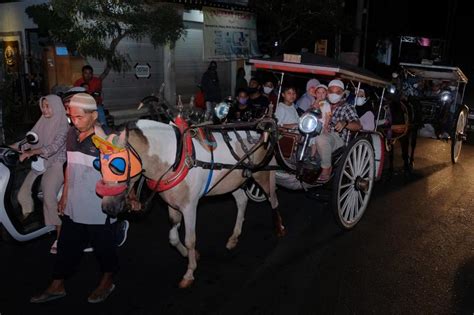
(189,213)
(267,182)
(175,218)
(414,137)
(391,155)
(404,142)
(241,199)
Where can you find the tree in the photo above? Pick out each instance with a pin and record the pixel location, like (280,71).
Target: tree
(286,22)
(94,28)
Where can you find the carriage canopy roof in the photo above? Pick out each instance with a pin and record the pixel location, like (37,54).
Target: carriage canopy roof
(431,72)
(318,65)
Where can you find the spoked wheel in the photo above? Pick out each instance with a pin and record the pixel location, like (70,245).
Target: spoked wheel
(353,183)
(254,192)
(459,135)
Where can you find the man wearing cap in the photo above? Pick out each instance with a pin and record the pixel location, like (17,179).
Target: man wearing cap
(305,101)
(83,219)
(343,120)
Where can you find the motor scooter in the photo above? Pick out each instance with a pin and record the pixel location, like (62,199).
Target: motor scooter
(12,175)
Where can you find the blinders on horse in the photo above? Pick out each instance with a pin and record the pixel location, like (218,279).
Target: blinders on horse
(116,165)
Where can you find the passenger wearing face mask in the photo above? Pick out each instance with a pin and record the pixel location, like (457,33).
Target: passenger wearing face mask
(365,111)
(343,120)
(305,101)
(321,103)
(241,110)
(269,92)
(256,99)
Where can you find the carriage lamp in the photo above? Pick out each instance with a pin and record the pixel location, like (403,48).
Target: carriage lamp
(310,123)
(446,96)
(221,110)
(392,89)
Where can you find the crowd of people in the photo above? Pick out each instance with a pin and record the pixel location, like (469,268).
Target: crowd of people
(68,152)
(341,111)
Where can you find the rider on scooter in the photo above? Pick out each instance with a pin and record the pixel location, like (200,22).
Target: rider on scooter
(51,129)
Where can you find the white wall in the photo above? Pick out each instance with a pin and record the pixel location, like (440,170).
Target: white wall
(14,19)
(13,16)
(124,89)
(189,61)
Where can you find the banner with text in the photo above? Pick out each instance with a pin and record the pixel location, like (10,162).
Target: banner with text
(229,35)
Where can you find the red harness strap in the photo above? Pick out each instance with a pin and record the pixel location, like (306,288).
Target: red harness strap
(174,178)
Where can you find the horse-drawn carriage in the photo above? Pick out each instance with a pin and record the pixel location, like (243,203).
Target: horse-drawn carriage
(357,165)
(183,162)
(435,95)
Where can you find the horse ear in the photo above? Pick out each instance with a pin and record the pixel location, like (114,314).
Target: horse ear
(99,131)
(122,138)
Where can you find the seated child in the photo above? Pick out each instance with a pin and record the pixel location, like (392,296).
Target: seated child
(322,104)
(241,110)
(286,112)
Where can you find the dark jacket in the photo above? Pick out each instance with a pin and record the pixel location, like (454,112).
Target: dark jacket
(210,86)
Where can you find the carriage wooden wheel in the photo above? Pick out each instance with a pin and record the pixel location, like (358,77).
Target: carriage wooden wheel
(254,192)
(459,135)
(353,182)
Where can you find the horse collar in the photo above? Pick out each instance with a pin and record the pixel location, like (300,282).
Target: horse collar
(184,147)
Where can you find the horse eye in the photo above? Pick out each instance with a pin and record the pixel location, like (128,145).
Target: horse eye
(96,164)
(117,166)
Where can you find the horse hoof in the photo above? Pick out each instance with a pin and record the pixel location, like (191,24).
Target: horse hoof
(231,244)
(280,231)
(185,283)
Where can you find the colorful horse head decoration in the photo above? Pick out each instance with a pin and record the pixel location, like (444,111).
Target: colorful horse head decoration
(117,164)
(158,151)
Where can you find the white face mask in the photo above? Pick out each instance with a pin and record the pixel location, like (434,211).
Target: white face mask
(360,101)
(334,98)
(267,90)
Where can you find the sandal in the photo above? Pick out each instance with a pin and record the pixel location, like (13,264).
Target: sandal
(97,298)
(54,248)
(47,296)
(324,178)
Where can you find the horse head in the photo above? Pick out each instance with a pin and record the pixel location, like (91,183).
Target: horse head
(120,167)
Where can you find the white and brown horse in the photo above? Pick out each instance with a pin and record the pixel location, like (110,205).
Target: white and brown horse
(153,145)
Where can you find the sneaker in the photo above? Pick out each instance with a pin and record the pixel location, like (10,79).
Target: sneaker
(88,249)
(122,229)
(54,248)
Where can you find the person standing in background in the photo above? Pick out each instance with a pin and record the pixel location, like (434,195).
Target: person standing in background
(93,86)
(211,88)
(240,82)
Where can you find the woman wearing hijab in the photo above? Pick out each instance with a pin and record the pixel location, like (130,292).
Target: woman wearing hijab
(365,111)
(51,129)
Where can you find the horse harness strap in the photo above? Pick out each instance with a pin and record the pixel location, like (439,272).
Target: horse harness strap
(186,153)
(179,173)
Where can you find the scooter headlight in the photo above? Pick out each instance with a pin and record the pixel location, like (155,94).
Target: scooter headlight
(446,96)
(309,123)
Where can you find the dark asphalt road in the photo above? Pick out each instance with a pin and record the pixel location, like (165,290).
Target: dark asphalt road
(412,253)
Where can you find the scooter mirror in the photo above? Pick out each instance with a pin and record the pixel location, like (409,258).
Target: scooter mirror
(31,137)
